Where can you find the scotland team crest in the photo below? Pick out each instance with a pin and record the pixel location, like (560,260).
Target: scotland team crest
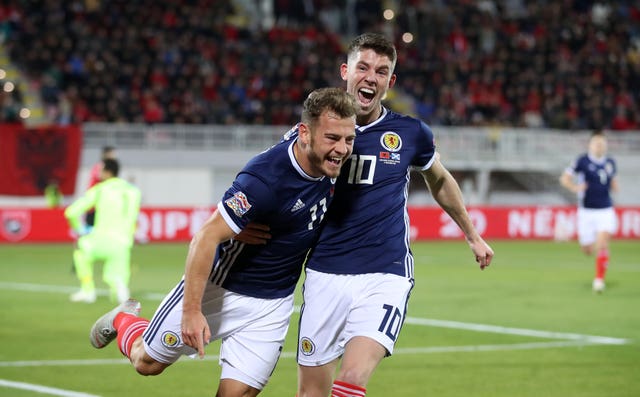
(391,141)
(307,347)
(16,224)
(170,339)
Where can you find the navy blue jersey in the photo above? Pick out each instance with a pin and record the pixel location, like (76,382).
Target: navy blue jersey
(272,189)
(367,228)
(597,174)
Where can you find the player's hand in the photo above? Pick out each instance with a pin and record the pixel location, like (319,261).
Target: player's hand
(83,230)
(254,233)
(195,331)
(581,187)
(482,252)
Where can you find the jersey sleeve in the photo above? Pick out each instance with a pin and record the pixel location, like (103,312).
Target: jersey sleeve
(572,168)
(248,198)
(614,167)
(425,147)
(135,197)
(74,212)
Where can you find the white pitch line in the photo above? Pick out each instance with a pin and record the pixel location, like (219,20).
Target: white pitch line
(605,340)
(64,289)
(486,348)
(409,320)
(43,389)
(289,355)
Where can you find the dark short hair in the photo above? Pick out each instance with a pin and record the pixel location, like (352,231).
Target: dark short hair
(111,165)
(376,42)
(107,149)
(335,99)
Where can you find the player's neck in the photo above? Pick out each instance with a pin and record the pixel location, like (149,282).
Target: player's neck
(597,159)
(302,158)
(366,119)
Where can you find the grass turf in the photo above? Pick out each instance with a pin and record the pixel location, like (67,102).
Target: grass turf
(541,287)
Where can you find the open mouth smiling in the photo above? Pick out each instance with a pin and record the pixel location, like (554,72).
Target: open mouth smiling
(366,95)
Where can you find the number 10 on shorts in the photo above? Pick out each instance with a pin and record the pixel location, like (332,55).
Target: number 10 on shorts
(391,322)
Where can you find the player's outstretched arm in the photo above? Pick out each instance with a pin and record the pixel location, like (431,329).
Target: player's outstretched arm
(566,181)
(195,330)
(446,192)
(615,185)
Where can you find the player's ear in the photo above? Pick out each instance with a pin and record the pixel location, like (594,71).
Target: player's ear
(343,71)
(392,81)
(304,133)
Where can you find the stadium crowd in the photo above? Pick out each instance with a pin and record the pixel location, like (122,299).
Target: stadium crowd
(557,64)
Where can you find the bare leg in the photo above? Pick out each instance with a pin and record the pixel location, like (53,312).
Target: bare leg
(361,357)
(142,362)
(587,249)
(235,388)
(316,381)
(602,242)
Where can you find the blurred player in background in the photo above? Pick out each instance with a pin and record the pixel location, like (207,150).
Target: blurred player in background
(360,273)
(117,205)
(108,152)
(592,176)
(243,294)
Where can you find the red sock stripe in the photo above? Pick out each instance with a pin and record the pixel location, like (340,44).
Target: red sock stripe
(129,332)
(344,389)
(602,262)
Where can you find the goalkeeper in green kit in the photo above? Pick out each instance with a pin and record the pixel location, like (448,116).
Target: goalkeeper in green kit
(117,204)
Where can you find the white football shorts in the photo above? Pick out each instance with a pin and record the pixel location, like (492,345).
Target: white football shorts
(338,307)
(592,221)
(252,331)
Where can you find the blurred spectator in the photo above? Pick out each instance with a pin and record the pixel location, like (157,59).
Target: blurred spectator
(52,194)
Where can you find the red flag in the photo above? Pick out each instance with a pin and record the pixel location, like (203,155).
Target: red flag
(32,158)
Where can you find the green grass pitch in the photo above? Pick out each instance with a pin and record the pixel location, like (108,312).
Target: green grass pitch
(528,326)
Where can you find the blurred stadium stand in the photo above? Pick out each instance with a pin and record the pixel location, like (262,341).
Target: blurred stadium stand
(510,87)
(566,65)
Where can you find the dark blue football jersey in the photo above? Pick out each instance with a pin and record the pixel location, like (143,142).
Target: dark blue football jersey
(272,189)
(367,228)
(597,174)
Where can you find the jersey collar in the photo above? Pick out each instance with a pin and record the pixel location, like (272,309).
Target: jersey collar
(296,165)
(597,160)
(378,120)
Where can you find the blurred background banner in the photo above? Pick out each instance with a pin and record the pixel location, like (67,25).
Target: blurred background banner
(33,158)
(174,224)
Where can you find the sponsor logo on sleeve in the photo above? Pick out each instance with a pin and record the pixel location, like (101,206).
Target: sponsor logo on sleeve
(238,203)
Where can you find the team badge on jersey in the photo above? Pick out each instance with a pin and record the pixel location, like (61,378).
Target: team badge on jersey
(307,347)
(391,141)
(238,203)
(170,339)
(608,168)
